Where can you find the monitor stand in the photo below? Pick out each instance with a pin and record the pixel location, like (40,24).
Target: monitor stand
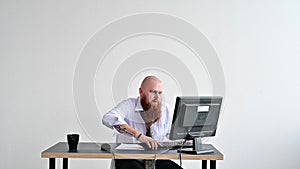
(198,147)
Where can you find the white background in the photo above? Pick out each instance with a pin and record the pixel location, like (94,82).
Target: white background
(257,43)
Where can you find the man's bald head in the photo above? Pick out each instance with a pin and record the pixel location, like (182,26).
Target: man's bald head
(150,80)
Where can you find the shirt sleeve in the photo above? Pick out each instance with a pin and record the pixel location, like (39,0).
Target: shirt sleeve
(117,115)
(169,120)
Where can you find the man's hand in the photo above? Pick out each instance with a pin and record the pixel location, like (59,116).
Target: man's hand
(126,129)
(151,143)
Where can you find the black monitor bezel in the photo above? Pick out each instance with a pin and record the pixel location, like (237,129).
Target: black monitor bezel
(180,100)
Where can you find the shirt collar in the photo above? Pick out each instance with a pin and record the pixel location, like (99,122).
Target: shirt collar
(138,105)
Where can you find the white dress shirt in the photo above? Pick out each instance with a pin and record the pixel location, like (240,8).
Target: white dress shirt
(128,112)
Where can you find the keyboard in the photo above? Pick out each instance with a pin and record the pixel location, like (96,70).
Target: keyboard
(170,145)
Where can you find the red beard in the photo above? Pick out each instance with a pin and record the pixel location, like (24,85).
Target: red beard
(152,112)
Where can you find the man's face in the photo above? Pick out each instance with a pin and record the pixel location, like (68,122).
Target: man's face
(151,95)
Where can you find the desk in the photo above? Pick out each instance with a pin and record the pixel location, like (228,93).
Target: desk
(92,150)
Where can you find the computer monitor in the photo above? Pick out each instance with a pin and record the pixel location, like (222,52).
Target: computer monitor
(195,117)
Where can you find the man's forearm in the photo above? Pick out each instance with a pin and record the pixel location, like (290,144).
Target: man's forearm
(126,129)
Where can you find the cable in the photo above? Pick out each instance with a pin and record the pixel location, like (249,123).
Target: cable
(154,161)
(180,158)
(112,152)
(114,157)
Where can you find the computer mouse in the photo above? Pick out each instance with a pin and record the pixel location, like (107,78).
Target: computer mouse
(105,147)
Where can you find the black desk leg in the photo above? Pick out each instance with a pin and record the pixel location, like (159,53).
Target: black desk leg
(213,164)
(51,163)
(204,164)
(65,163)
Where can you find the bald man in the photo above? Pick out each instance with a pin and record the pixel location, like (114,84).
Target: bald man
(143,119)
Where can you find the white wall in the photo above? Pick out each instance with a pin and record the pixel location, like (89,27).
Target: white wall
(257,43)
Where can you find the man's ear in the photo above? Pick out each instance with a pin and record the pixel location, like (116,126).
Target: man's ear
(140,90)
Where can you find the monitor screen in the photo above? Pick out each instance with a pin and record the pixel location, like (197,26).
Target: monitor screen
(195,116)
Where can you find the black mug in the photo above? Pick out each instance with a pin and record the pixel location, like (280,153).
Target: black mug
(73,140)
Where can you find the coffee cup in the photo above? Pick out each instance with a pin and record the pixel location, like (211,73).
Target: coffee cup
(73,140)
